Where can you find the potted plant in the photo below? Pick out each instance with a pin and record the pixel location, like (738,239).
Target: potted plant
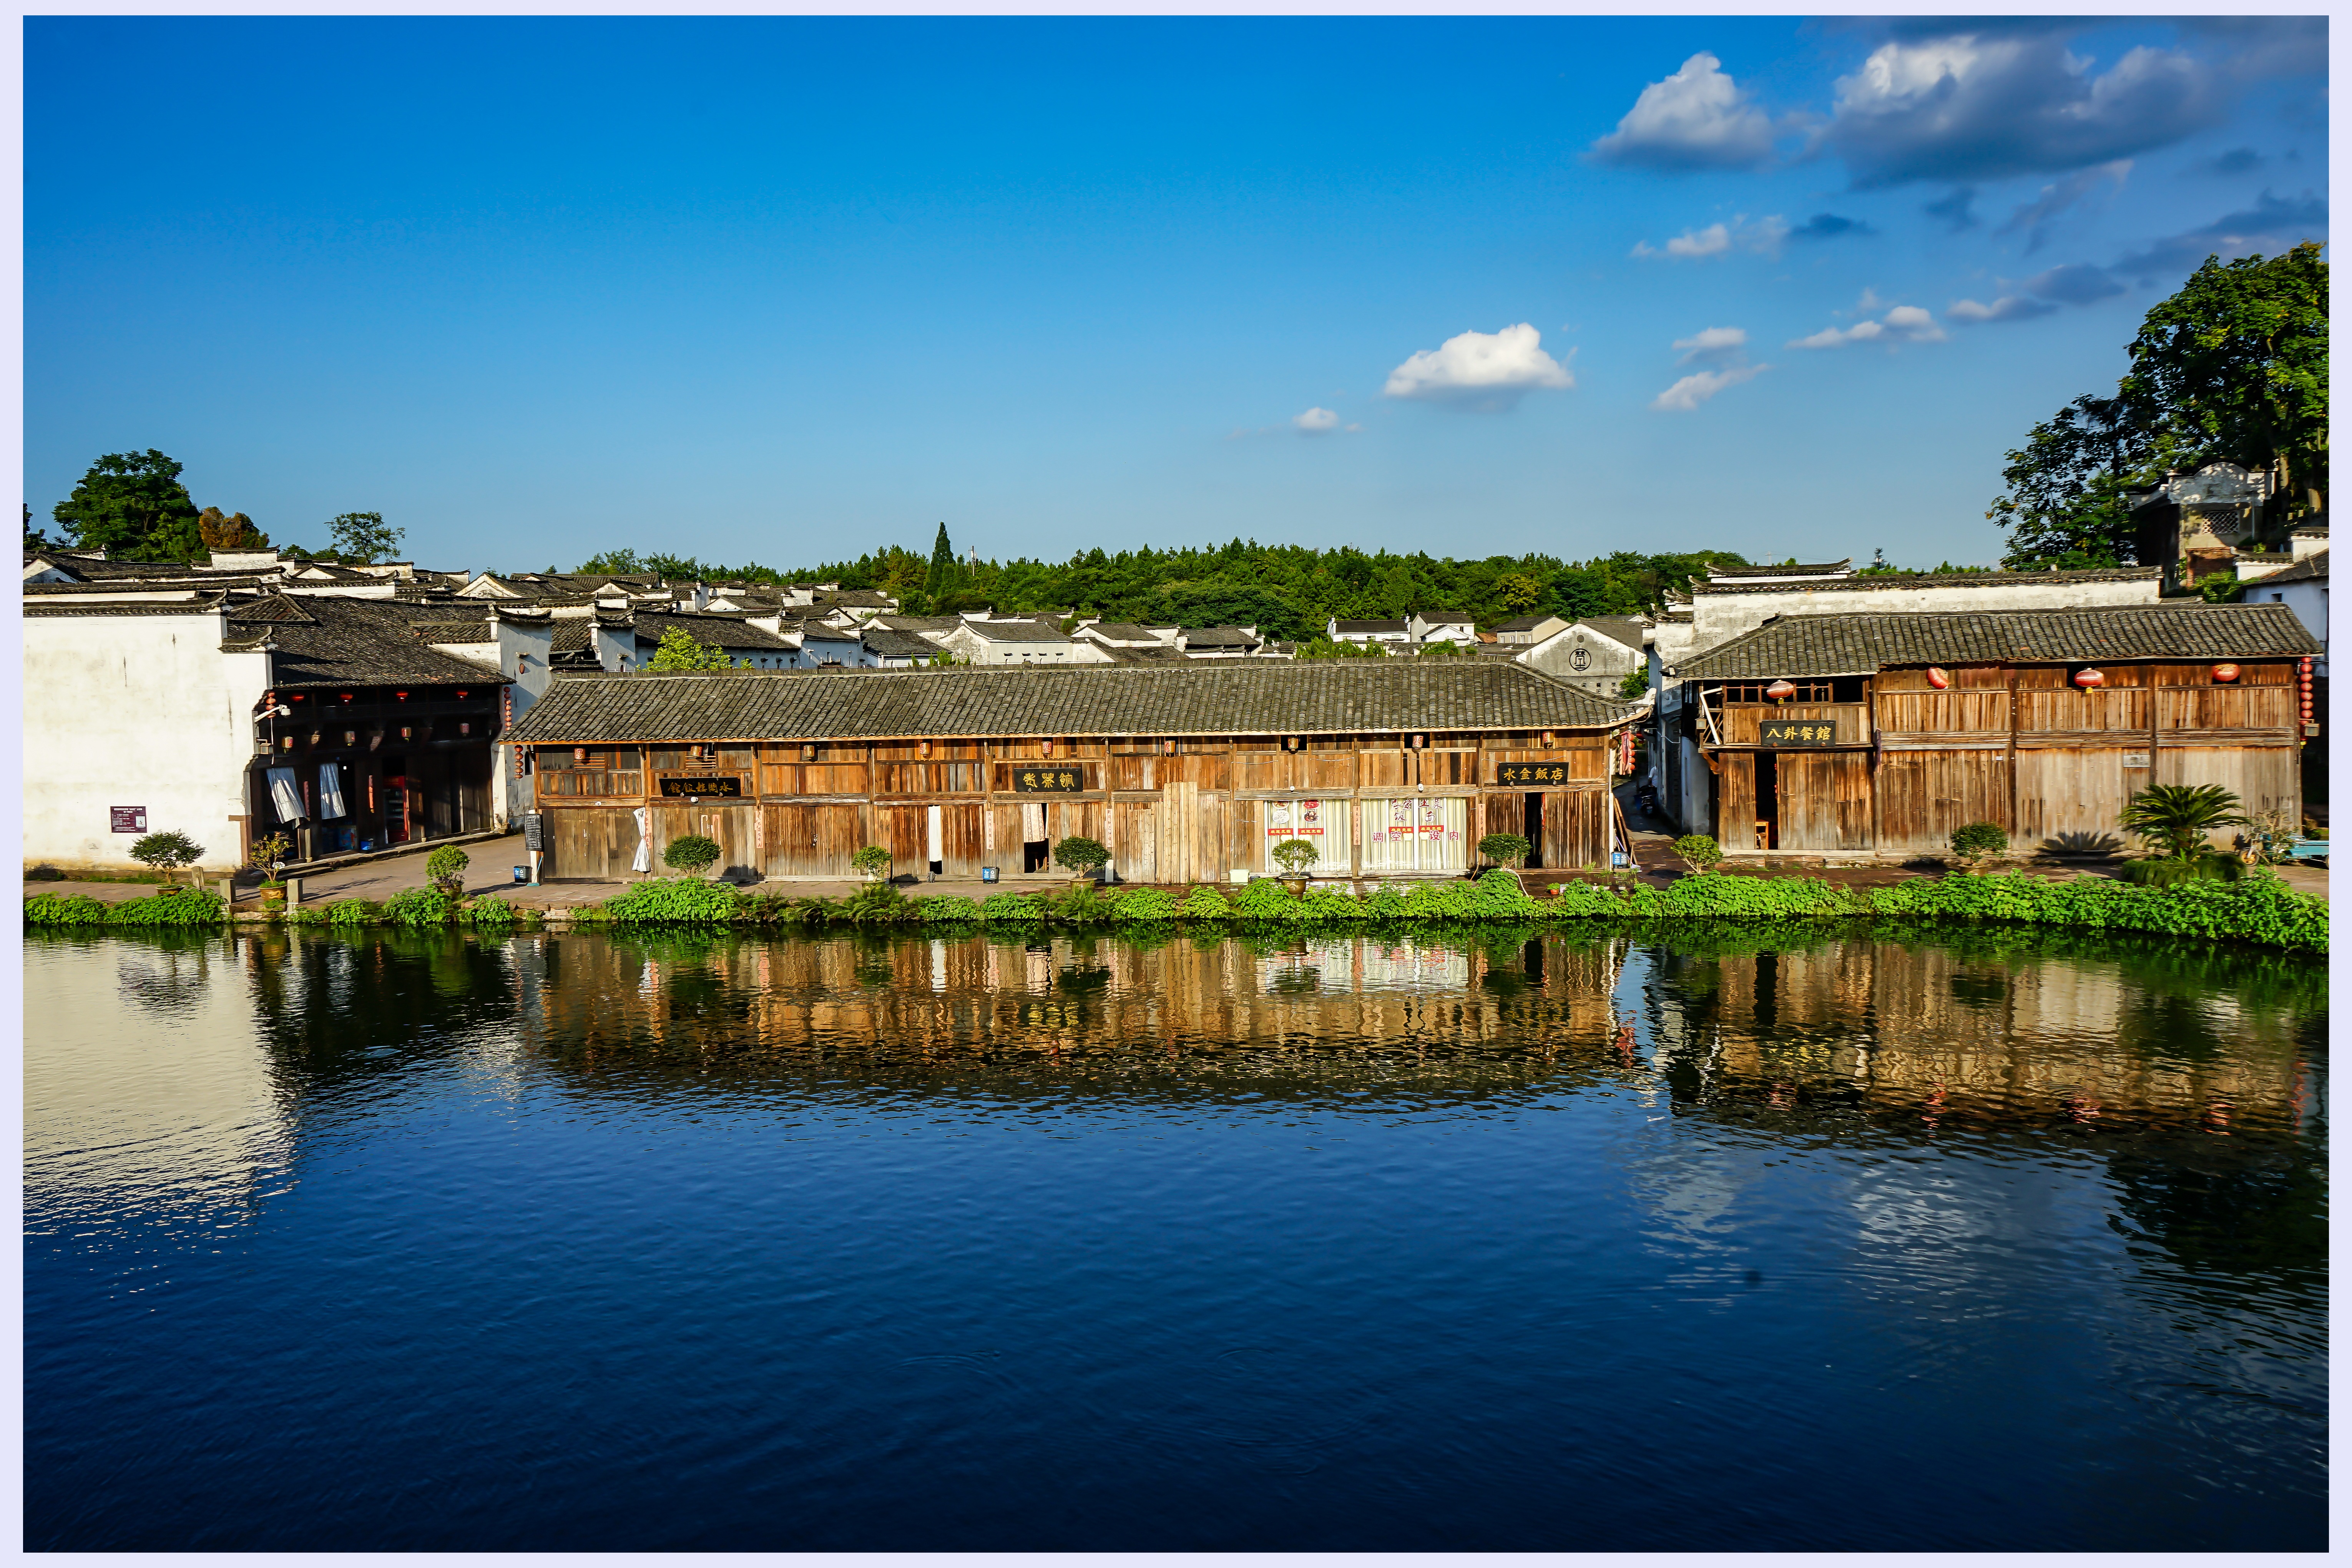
(1974,843)
(1699,852)
(692,854)
(873,862)
(267,856)
(1296,857)
(1510,849)
(2174,820)
(167,852)
(446,867)
(1082,857)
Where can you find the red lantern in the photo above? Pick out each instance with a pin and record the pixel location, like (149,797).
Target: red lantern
(1937,678)
(2224,674)
(2088,678)
(579,753)
(1780,690)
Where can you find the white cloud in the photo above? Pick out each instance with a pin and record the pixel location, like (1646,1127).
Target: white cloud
(1486,370)
(1692,390)
(1696,119)
(2036,215)
(2007,308)
(1762,237)
(1902,325)
(1982,105)
(1315,421)
(1712,343)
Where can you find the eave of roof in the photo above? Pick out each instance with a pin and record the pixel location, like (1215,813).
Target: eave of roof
(1864,643)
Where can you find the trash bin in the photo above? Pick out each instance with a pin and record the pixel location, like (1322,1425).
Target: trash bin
(522,873)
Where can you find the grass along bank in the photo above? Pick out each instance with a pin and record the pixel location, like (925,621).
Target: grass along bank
(2259,909)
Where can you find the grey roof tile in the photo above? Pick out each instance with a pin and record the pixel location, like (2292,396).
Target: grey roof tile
(1862,644)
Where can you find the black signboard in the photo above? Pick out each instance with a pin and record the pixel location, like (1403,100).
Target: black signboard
(717,786)
(1527,774)
(1067,779)
(1798,732)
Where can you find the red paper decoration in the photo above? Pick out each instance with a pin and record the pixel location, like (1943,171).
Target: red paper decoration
(2088,678)
(2224,674)
(1780,690)
(1937,678)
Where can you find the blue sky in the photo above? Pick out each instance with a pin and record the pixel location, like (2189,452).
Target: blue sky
(791,290)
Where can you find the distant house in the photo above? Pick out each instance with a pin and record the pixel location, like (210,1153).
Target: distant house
(1442,625)
(1526,631)
(1017,642)
(754,646)
(899,650)
(1594,655)
(1386,634)
(1219,642)
(1122,633)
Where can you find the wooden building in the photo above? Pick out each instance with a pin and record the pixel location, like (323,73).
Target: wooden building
(1186,774)
(1883,733)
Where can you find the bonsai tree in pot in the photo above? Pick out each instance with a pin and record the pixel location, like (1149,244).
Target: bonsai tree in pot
(2174,820)
(446,867)
(1510,849)
(873,863)
(1082,857)
(1699,852)
(692,854)
(267,856)
(167,852)
(1974,843)
(1296,857)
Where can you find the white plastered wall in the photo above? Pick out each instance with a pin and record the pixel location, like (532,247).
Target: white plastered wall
(135,710)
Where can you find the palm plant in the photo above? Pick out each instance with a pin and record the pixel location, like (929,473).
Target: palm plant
(2178,817)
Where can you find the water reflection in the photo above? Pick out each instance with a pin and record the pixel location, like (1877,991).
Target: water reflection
(1487,1240)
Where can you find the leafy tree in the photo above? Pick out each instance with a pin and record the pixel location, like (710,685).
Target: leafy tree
(166,852)
(1296,855)
(2231,368)
(34,538)
(234,531)
(614,563)
(360,537)
(1636,682)
(873,860)
(1505,849)
(133,506)
(691,853)
(2178,817)
(1976,842)
(1518,593)
(679,650)
(1701,853)
(1083,856)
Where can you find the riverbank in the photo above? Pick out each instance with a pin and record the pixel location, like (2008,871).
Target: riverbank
(2261,910)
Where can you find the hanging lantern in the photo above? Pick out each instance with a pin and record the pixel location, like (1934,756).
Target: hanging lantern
(922,748)
(579,753)
(405,732)
(1780,690)
(1416,742)
(1550,741)
(2088,678)
(1290,743)
(2225,674)
(351,737)
(1049,748)
(1167,748)
(808,754)
(1937,679)
(286,743)
(465,729)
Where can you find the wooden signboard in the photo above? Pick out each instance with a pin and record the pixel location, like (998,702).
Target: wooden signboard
(1048,780)
(714,786)
(1798,732)
(1523,773)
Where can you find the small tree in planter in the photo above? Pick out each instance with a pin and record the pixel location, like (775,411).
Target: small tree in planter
(1509,849)
(446,867)
(167,852)
(1699,852)
(873,863)
(1296,857)
(267,856)
(1082,857)
(692,854)
(1974,843)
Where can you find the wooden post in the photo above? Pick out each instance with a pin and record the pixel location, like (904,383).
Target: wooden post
(2013,819)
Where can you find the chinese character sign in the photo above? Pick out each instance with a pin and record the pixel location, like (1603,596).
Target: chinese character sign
(1048,780)
(1798,732)
(1531,775)
(1294,819)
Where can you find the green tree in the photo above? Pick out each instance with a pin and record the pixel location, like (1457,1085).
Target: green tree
(133,506)
(360,537)
(234,531)
(940,577)
(2178,817)
(678,650)
(1518,593)
(2231,368)
(34,538)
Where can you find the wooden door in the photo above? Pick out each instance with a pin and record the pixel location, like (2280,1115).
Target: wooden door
(803,840)
(1924,795)
(1735,793)
(1824,798)
(729,827)
(960,825)
(1135,841)
(591,842)
(1178,823)
(2069,797)
(1575,829)
(905,831)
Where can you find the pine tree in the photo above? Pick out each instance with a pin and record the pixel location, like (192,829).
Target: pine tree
(942,576)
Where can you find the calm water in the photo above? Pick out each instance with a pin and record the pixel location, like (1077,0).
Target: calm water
(586,1242)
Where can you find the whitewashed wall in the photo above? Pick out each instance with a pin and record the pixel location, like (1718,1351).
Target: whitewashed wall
(135,710)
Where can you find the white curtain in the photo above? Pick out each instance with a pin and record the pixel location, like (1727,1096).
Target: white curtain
(285,795)
(645,860)
(330,792)
(932,833)
(1032,825)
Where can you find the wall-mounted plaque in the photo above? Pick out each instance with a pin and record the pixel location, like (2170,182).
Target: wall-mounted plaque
(128,819)
(711,786)
(1529,775)
(1798,732)
(1064,780)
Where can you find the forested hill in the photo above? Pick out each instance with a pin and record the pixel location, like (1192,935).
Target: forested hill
(1286,591)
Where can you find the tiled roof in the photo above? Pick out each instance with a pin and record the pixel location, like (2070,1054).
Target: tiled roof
(1445,618)
(1616,628)
(1158,653)
(1861,644)
(1788,569)
(1938,580)
(900,645)
(715,631)
(917,622)
(1372,626)
(1225,636)
(454,631)
(1245,696)
(91,571)
(1524,623)
(1119,631)
(328,641)
(1016,631)
(571,635)
(2312,568)
(2315,528)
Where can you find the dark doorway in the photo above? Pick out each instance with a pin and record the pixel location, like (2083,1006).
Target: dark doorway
(1533,830)
(1036,855)
(1767,800)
